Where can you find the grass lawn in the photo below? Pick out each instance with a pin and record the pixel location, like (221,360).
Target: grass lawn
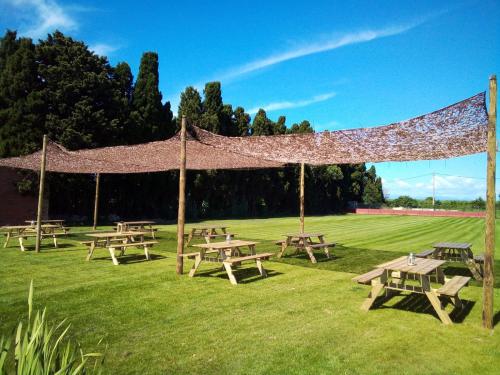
(302,319)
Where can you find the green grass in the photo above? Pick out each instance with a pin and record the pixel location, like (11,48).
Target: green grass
(303,319)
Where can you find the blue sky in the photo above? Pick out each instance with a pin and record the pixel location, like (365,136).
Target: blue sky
(338,64)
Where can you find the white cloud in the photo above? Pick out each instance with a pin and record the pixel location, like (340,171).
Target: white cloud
(42,17)
(288,104)
(103,49)
(447,187)
(317,46)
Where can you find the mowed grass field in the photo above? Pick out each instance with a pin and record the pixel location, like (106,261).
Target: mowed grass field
(302,319)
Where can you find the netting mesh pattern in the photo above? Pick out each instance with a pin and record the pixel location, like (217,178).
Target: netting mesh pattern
(457,130)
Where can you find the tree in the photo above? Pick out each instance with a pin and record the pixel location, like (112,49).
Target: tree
(279,126)
(22,109)
(148,111)
(242,121)
(79,93)
(303,127)
(261,124)
(190,106)
(212,108)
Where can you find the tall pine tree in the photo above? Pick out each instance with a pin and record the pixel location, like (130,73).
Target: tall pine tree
(152,118)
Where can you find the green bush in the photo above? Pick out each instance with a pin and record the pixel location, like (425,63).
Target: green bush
(43,349)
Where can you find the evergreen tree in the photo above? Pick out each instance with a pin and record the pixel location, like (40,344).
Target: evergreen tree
(148,111)
(22,109)
(125,80)
(261,124)
(303,127)
(190,106)
(212,108)
(79,92)
(279,126)
(242,121)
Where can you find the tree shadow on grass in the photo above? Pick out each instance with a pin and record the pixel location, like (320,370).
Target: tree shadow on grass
(420,304)
(496,318)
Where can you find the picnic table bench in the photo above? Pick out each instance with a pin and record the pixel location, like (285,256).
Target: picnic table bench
(456,252)
(306,242)
(398,276)
(228,253)
(117,241)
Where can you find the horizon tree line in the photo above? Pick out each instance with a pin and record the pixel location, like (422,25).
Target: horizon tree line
(57,86)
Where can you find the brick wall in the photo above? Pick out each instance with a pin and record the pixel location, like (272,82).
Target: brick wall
(382,211)
(14,207)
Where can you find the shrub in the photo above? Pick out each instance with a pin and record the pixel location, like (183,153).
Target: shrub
(42,348)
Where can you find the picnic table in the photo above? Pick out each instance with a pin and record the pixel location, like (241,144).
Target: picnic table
(208,233)
(456,252)
(398,276)
(25,231)
(114,241)
(58,222)
(230,254)
(140,226)
(307,242)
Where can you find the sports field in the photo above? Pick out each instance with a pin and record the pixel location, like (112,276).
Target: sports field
(303,319)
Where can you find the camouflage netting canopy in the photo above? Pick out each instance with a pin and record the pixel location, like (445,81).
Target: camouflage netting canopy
(457,130)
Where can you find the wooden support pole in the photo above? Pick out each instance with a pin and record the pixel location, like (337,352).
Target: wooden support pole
(96,200)
(489,253)
(40,195)
(182,199)
(302,172)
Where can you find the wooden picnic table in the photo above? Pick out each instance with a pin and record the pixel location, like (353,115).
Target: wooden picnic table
(307,242)
(459,252)
(230,254)
(398,276)
(58,222)
(117,240)
(207,232)
(24,231)
(139,225)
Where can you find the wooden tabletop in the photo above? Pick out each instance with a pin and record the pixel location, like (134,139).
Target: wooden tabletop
(452,245)
(8,227)
(114,234)
(225,244)
(45,221)
(422,266)
(210,227)
(303,235)
(135,222)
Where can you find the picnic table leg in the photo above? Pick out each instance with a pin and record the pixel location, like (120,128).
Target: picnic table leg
(197,261)
(230,274)
(471,264)
(310,253)
(284,245)
(262,271)
(21,244)
(91,250)
(112,253)
(190,237)
(434,300)
(55,240)
(436,303)
(377,287)
(146,252)
(7,238)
